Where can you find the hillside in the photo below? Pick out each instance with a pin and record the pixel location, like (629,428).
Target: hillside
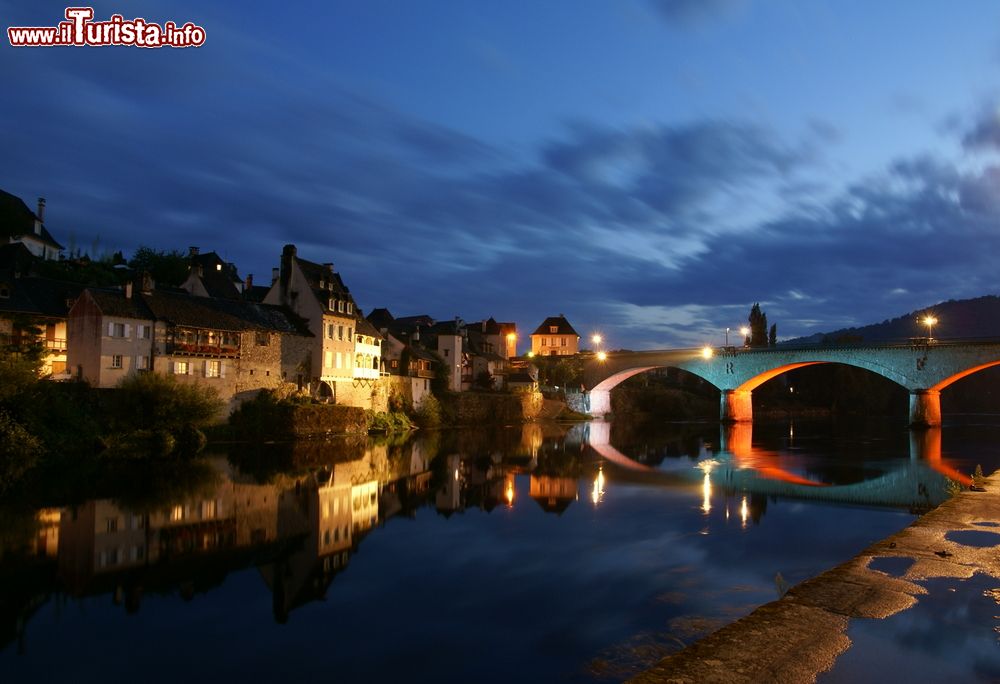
(978,317)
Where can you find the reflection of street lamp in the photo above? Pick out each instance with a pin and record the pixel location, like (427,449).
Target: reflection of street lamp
(602,356)
(706,352)
(929,321)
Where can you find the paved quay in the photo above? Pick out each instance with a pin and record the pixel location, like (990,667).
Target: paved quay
(800,636)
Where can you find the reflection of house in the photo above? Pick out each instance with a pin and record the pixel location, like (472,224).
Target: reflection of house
(234,346)
(555,337)
(20,224)
(553,494)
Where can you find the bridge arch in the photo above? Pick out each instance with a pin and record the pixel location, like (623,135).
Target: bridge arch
(962,374)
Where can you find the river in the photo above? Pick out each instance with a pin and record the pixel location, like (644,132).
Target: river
(533,553)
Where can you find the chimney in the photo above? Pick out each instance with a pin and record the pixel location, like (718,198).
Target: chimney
(285,275)
(249,281)
(193,251)
(329,267)
(274,276)
(148,284)
(128,290)
(41,209)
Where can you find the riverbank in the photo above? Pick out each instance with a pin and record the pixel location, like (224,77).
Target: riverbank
(800,636)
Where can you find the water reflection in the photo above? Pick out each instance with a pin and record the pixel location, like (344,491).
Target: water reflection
(294,517)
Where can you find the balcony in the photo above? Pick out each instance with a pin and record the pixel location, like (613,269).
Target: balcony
(224,351)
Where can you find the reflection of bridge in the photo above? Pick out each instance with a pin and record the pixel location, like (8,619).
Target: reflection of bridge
(923,367)
(918,483)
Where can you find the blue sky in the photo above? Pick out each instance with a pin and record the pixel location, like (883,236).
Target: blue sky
(650,168)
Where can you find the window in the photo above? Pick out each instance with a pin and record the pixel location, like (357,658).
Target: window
(213,369)
(545,341)
(328,360)
(563,341)
(350,333)
(262,339)
(350,307)
(176,513)
(553,329)
(116,330)
(340,332)
(142,363)
(180,367)
(338,359)
(446,353)
(340,306)
(112,525)
(329,331)
(143,332)
(116,361)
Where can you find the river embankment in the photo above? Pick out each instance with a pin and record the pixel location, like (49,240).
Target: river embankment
(801,635)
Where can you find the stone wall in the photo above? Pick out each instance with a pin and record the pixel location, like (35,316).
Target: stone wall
(479,408)
(322,420)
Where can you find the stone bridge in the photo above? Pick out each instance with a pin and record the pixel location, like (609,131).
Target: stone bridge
(924,367)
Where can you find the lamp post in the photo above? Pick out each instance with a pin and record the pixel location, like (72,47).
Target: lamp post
(727,337)
(929,321)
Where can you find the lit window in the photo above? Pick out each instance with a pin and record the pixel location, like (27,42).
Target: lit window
(340,306)
(116,361)
(350,307)
(180,367)
(176,513)
(213,369)
(553,329)
(545,341)
(563,341)
(328,360)
(218,267)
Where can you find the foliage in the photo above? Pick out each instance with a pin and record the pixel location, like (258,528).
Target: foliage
(758,327)
(266,416)
(168,268)
(149,401)
(83,270)
(559,371)
(484,380)
(441,382)
(428,413)
(19,451)
(772,337)
(387,421)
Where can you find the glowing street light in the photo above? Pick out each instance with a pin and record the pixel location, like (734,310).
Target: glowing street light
(745,331)
(602,356)
(706,352)
(596,339)
(930,321)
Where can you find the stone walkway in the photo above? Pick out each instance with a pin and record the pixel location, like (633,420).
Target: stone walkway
(798,637)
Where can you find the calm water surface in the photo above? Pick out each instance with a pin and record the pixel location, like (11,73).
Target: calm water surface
(540,553)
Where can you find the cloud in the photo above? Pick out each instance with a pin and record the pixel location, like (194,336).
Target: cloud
(689,12)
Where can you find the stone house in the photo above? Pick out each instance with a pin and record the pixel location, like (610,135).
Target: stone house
(20,224)
(555,337)
(233,346)
(317,294)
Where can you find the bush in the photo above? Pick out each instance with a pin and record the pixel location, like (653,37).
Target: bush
(19,452)
(265,417)
(428,414)
(148,401)
(388,422)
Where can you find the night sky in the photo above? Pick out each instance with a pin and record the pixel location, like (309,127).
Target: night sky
(650,168)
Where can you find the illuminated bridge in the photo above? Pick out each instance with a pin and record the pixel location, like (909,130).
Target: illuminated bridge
(923,366)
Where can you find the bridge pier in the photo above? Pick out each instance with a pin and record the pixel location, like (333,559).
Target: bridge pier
(925,408)
(736,406)
(600,403)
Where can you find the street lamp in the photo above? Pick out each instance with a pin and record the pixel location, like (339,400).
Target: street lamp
(596,339)
(602,356)
(929,321)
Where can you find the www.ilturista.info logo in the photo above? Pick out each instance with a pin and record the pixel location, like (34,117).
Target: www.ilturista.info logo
(80,29)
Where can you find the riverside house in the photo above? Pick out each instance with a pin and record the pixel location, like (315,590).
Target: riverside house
(233,346)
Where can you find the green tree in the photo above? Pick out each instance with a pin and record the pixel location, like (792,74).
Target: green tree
(758,327)
(772,337)
(169,268)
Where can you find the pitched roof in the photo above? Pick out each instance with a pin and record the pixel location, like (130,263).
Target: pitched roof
(561,324)
(17,220)
(186,310)
(364,327)
(39,297)
(218,277)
